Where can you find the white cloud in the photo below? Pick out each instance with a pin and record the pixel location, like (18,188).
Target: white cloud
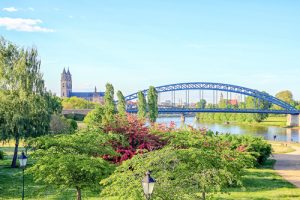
(31,9)
(21,24)
(10,9)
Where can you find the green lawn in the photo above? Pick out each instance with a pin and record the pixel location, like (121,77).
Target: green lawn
(274,121)
(263,184)
(259,184)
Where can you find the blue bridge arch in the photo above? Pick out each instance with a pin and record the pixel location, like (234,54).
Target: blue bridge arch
(287,108)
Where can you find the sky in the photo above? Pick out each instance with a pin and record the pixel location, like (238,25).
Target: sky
(134,44)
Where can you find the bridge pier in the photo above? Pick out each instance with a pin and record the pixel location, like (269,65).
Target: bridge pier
(182,118)
(293,120)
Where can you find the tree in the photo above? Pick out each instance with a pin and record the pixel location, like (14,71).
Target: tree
(109,104)
(59,125)
(141,105)
(286,96)
(77,103)
(121,104)
(201,103)
(152,104)
(136,137)
(95,117)
(188,168)
(25,105)
(64,161)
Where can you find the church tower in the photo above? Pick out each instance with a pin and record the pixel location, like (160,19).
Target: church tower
(66,84)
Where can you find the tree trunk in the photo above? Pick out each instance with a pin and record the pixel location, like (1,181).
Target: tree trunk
(14,160)
(78,193)
(203,195)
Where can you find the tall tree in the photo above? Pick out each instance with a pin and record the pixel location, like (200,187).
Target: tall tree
(142,105)
(152,104)
(109,104)
(121,104)
(286,96)
(201,103)
(26,106)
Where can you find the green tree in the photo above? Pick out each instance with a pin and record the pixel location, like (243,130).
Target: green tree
(141,105)
(77,103)
(121,104)
(25,105)
(59,125)
(95,117)
(64,161)
(152,104)
(286,96)
(188,168)
(201,104)
(109,104)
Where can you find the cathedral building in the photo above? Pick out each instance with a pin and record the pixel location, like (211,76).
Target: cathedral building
(66,89)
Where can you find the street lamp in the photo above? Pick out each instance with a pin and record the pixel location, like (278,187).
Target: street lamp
(23,162)
(148,185)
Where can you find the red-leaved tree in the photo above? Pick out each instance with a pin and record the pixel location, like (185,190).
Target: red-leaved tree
(136,133)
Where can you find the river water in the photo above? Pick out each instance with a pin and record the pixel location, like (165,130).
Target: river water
(267,132)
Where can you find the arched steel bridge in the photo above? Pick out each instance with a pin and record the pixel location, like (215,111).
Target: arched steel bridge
(286,108)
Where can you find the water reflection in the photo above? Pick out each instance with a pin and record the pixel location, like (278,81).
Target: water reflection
(267,132)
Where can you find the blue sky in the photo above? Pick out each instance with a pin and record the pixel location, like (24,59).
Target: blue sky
(134,44)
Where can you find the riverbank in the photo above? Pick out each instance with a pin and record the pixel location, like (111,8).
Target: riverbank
(270,121)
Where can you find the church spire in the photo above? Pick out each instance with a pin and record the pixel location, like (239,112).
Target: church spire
(68,72)
(64,72)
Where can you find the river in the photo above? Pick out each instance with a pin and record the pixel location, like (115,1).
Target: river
(267,132)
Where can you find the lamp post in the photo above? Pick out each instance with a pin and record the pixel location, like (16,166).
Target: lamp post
(148,185)
(23,162)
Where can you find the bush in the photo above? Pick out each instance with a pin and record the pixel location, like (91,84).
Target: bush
(61,125)
(2,154)
(76,117)
(257,146)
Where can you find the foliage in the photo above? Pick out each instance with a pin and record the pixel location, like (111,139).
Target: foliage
(286,96)
(250,103)
(75,116)
(136,135)
(141,105)
(109,105)
(152,104)
(258,147)
(72,160)
(201,103)
(25,105)
(121,107)
(181,173)
(60,125)
(2,154)
(77,103)
(95,117)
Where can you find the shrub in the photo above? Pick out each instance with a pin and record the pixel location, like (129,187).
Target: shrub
(2,154)
(257,146)
(137,135)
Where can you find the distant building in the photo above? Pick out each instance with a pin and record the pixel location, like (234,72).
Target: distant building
(66,89)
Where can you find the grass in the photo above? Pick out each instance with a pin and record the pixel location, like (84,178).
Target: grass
(274,121)
(282,147)
(262,184)
(270,121)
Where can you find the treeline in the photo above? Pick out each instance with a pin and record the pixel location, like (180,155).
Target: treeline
(249,103)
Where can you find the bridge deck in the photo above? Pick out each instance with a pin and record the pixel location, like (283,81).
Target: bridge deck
(196,110)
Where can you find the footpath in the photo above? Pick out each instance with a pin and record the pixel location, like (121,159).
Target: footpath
(288,166)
